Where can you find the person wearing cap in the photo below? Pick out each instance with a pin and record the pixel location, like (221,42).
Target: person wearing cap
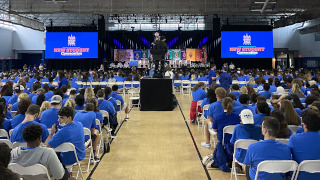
(30,117)
(268,149)
(221,120)
(50,116)
(71,132)
(34,98)
(18,89)
(245,130)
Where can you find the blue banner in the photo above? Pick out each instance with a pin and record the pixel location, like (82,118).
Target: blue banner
(137,54)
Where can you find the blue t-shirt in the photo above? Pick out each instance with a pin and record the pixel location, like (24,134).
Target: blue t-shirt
(8,115)
(48,95)
(16,135)
(258,119)
(79,108)
(31,95)
(34,99)
(198,94)
(74,134)
(266,94)
(305,146)
(245,131)
(6,125)
(64,81)
(17,119)
(238,109)
(50,117)
(210,76)
(205,102)
(214,109)
(106,105)
(222,120)
(236,93)
(300,130)
(7,99)
(266,150)
(225,80)
(13,99)
(298,111)
(236,104)
(113,101)
(87,118)
(117,97)
(15,106)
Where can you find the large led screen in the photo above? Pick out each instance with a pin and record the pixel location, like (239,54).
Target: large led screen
(246,44)
(71,45)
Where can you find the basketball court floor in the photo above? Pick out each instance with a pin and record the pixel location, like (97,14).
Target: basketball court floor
(157,145)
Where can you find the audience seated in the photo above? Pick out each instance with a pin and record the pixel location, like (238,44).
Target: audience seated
(244,100)
(263,110)
(22,108)
(5,157)
(50,116)
(197,94)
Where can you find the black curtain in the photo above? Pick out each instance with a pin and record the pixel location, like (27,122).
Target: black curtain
(72,64)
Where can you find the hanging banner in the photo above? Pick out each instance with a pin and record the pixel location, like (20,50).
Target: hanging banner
(183,54)
(176,54)
(129,55)
(144,54)
(137,54)
(122,55)
(115,55)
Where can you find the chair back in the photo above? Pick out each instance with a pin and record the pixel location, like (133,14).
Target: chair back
(4,133)
(277,166)
(294,128)
(87,132)
(18,144)
(104,113)
(310,166)
(199,103)
(286,141)
(227,130)
(13,113)
(33,170)
(99,124)
(6,141)
(118,102)
(206,107)
(243,143)
(10,132)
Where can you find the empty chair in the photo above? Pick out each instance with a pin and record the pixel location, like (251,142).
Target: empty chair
(120,109)
(186,85)
(277,166)
(34,170)
(309,166)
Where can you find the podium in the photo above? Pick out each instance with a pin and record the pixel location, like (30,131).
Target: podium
(156,94)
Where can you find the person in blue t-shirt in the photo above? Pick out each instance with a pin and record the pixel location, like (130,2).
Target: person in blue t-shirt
(88,120)
(225,79)
(4,123)
(79,102)
(119,97)
(214,109)
(34,98)
(212,77)
(244,100)
(235,90)
(108,97)
(245,130)
(30,117)
(263,110)
(62,79)
(70,132)
(104,104)
(211,98)
(268,149)
(266,93)
(18,89)
(50,116)
(306,145)
(198,94)
(22,109)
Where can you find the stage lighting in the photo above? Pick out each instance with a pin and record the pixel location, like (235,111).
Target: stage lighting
(180,19)
(166,20)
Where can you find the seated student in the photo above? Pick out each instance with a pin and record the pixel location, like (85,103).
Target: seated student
(4,123)
(273,88)
(290,115)
(104,104)
(211,98)
(14,107)
(65,97)
(119,97)
(244,100)
(97,112)
(268,149)
(49,94)
(30,117)
(35,87)
(214,109)
(50,116)
(306,145)
(197,94)
(79,102)
(34,98)
(245,130)
(71,132)
(244,90)
(35,153)
(234,99)
(235,90)
(266,93)
(22,108)
(263,110)
(6,93)
(108,97)
(285,132)
(88,120)
(7,112)
(19,90)
(5,158)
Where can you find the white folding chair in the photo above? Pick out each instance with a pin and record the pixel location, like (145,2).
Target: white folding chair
(177,82)
(4,133)
(277,166)
(205,108)
(87,132)
(136,83)
(6,141)
(294,128)
(18,144)
(66,147)
(13,113)
(122,89)
(34,170)
(100,134)
(243,144)
(105,114)
(134,95)
(212,133)
(193,83)
(286,141)
(119,111)
(309,166)
(198,113)
(185,84)
(10,132)
(227,130)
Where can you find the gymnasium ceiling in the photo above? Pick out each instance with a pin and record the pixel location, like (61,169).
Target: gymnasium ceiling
(78,12)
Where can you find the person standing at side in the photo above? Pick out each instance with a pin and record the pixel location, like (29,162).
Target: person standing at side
(212,77)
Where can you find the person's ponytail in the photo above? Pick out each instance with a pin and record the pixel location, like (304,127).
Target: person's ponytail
(227,104)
